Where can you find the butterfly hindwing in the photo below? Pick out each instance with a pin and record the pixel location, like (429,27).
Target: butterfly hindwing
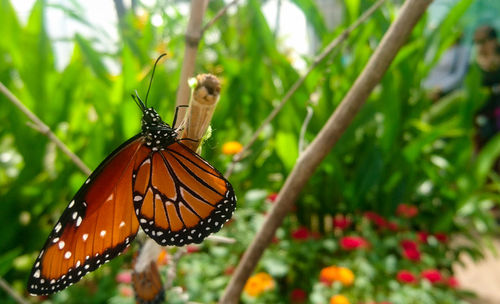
(180,198)
(98,224)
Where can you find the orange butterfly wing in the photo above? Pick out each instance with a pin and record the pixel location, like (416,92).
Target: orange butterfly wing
(180,198)
(98,224)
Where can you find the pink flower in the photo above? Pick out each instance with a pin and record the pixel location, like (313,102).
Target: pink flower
(301,233)
(405,276)
(124,277)
(126,291)
(352,242)
(407,211)
(341,221)
(298,296)
(431,275)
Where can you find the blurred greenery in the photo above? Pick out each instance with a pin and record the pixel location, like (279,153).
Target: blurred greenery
(401,148)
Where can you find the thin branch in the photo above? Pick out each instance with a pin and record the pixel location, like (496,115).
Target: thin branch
(5,286)
(303,129)
(193,36)
(44,129)
(172,267)
(217,16)
(393,40)
(317,60)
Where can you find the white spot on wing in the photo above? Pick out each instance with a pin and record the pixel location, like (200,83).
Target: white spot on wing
(67,255)
(79,221)
(85,236)
(37,273)
(58,227)
(122,224)
(61,245)
(103,233)
(71,204)
(74,215)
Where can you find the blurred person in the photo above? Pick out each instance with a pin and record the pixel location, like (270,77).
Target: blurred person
(488,60)
(449,72)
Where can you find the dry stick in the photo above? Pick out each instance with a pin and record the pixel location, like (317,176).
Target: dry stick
(378,64)
(328,49)
(5,286)
(44,129)
(193,36)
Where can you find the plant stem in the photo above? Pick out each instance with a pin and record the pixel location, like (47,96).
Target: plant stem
(328,49)
(44,129)
(8,289)
(394,38)
(193,36)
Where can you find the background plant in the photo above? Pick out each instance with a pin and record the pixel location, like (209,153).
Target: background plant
(400,149)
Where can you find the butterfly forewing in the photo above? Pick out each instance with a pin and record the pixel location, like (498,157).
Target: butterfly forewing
(185,199)
(98,224)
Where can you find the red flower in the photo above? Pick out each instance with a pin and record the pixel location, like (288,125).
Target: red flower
(298,295)
(441,237)
(405,276)
(410,250)
(301,233)
(431,275)
(352,242)
(192,248)
(376,219)
(407,211)
(453,282)
(341,221)
(229,270)
(422,236)
(392,226)
(272,197)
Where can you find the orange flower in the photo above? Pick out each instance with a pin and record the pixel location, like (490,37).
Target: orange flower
(231,148)
(345,276)
(162,258)
(329,274)
(339,299)
(259,283)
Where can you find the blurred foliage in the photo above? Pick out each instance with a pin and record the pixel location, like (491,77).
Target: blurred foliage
(401,148)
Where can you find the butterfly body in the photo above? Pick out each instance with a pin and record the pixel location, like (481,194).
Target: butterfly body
(152,181)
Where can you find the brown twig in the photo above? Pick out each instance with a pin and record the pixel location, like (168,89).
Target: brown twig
(201,108)
(394,38)
(5,286)
(193,36)
(317,60)
(44,129)
(217,16)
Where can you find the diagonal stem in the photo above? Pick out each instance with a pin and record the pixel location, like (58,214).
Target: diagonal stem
(393,40)
(44,129)
(328,49)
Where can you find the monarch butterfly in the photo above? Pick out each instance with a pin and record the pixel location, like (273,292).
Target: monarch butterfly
(153,181)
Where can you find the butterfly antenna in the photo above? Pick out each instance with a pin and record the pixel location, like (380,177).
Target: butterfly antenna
(152,74)
(138,101)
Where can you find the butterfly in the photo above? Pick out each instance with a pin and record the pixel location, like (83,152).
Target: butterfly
(152,181)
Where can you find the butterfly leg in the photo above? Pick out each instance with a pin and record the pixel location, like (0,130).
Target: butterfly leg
(177,112)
